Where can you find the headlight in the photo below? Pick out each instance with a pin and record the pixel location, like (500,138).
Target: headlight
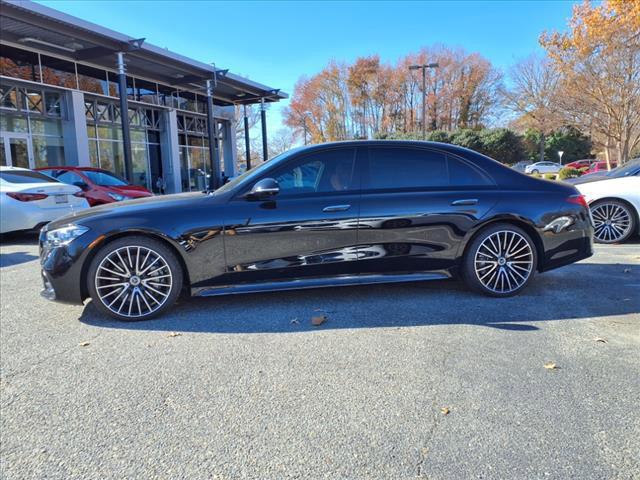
(117,197)
(64,235)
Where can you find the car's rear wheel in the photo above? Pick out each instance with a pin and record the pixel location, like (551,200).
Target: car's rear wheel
(500,261)
(134,278)
(613,221)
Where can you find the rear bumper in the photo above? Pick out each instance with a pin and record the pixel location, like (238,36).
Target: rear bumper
(568,247)
(20,218)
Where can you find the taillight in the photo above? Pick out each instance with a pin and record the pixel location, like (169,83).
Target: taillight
(578,200)
(27,197)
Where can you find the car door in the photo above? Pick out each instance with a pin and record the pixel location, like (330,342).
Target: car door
(416,206)
(309,229)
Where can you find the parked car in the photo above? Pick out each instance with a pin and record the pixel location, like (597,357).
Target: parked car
(600,166)
(632,167)
(98,186)
(578,164)
(30,199)
(520,166)
(615,206)
(325,215)
(543,167)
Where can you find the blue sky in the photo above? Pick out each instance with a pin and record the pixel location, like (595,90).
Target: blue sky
(277,42)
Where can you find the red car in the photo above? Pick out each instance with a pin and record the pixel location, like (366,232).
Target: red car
(600,166)
(98,186)
(578,164)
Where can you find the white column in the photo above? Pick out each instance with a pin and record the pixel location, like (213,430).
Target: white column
(74,130)
(170,151)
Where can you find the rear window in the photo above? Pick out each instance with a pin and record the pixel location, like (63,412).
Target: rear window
(20,176)
(104,179)
(463,174)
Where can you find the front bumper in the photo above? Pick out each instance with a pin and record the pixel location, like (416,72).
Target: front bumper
(62,268)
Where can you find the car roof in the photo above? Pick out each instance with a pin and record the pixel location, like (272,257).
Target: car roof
(18,169)
(72,167)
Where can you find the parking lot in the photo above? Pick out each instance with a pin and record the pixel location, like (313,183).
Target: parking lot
(401,381)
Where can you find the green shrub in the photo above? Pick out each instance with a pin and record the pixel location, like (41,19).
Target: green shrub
(550,176)
(568,172)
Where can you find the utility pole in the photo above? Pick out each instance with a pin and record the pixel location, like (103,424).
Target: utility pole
(424,67)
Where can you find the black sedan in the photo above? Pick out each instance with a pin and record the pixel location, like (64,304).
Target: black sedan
(334,214)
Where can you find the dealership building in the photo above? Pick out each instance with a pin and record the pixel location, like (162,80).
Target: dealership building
(64,87)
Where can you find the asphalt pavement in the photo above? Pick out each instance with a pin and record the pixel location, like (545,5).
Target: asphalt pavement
(422,380)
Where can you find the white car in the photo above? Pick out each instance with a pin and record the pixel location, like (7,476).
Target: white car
(30,199)
(615,207)
(543,167)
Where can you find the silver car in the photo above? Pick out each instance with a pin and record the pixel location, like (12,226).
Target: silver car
(543,167)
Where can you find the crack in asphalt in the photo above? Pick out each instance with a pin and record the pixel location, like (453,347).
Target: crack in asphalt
(31,366)
(426,447)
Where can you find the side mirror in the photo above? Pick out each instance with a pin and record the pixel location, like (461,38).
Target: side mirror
(82,185)
(263,189)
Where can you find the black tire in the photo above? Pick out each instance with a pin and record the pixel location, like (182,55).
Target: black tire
(157,285)
(613,210)
(478,263)
(535,172)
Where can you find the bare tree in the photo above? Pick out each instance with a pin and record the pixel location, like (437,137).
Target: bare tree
(534,95)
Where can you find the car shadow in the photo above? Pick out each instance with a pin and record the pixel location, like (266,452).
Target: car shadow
(26,237)
(579,291)
(15,258)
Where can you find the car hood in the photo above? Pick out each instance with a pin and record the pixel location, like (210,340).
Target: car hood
(135,208)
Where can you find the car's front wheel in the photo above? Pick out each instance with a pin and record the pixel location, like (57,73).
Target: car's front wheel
(500,261)
(613,221)
(134,278)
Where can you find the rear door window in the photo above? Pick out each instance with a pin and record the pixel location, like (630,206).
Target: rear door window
(400,168)
(406,168)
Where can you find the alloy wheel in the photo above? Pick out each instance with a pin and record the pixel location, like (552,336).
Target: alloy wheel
(504,261)
(133,281)
(611,222)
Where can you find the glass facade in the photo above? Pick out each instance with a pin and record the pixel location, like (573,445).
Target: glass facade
(34,115)
(32,118)
(106,148)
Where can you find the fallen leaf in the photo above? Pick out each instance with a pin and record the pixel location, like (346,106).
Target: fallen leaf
(295,321)
(318,320)
(84,344)
(599,339)
(174,334)
(445,410)
(550,366)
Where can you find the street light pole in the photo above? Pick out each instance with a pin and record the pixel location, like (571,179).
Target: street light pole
(424,67)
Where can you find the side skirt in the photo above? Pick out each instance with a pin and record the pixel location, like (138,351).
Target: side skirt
(315,282)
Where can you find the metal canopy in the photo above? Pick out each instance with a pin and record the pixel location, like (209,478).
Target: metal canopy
(36,26)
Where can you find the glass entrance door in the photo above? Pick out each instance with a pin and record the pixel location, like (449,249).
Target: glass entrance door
(16,150)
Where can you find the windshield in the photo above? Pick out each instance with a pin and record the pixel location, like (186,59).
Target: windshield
(254,172)
(624,170)
(25,176)
(104,179)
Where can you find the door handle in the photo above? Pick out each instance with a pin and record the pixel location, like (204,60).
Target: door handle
(466,201)
(336,208)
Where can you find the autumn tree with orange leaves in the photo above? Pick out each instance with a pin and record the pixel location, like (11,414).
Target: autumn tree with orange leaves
(598,60)
(371,99)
